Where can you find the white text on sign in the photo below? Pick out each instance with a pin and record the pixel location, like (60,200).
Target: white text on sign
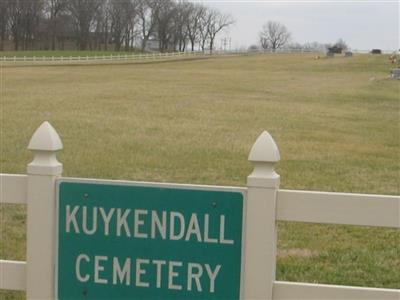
(170,225)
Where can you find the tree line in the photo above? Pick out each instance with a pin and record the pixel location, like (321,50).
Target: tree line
(171,25)
(275,35)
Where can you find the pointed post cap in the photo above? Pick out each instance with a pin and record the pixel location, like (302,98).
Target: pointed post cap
(45,142)
(264,149)
(264,154)
(45,138)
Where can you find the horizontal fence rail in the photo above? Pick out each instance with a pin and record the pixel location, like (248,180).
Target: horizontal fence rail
(156,56)
(306,291)
(13,188)
(297,206)
(13,275)
(338,208)
(143,56)
(112,57)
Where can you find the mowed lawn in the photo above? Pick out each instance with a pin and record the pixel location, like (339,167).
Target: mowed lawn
(336,123)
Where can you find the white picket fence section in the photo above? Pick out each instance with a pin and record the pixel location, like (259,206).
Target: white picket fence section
(113,57)
(155,56)
(265,205)
(141,57)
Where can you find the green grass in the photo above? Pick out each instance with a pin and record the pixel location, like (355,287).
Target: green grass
(336,122)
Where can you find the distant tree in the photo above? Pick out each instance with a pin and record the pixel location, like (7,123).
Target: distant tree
(84,13)
(295,46)
(94,24)
(216,21)
(274,35)
(32,13)
(23,22)
(131,29)
(308,46)
(15,12)
(3,23)
(196,14)
(165,25)
(121,13)
(315,46)
(203,29)
(147,12)
(102,27)
(54,8)
(341,44)
(181,19)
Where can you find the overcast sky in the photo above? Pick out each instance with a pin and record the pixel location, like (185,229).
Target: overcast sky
(363,24)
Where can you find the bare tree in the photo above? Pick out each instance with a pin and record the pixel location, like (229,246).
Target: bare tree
(164,17)
(92,24)
(54,8)
(216,21)
(119,10)
(23,21)
(274,35)
(84,12)
(131,28)
(3,23)
(15,12)
(203,33)
(32,13)
(196,13)
(147,12)
(180,20)
(65,30)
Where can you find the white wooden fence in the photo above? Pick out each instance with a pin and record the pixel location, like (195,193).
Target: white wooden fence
(155,56)
(113,57)
(265,204)
(141,57)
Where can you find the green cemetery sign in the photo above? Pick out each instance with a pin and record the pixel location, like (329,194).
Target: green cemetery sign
(131,241)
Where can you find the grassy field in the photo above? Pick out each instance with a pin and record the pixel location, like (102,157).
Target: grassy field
(336,122)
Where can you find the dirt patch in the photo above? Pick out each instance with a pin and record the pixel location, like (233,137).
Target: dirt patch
(296,252)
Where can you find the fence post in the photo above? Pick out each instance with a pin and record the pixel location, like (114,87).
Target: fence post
(42,174)
(261,239)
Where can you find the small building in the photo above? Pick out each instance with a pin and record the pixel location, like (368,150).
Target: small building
(335,49)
